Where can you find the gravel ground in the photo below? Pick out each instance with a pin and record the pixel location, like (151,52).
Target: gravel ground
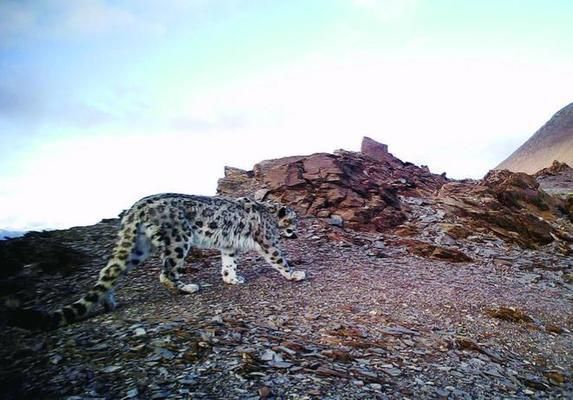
(372,321)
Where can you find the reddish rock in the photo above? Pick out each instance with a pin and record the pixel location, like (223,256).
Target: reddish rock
(361,190)
(428,250)
(407,229)
(509,204)
(557,180)
(455,231)
(237,181)
(555,169)
(375,150)
(510,314)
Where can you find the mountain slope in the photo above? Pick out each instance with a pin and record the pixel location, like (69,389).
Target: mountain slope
(553,141)
(431,295)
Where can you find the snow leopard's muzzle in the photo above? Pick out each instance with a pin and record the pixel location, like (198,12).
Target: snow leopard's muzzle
(287,222)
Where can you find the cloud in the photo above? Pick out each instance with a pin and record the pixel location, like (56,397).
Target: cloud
(225,122)
(81,115)
(431,110)
(17,104)
(15,17)
(96,17)
(22,21)
(22,104)
(387,10)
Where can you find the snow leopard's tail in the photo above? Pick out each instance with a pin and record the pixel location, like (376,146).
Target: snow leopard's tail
(131,249)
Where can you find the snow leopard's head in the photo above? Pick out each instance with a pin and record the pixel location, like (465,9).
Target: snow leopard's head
(286,217)
(287,221)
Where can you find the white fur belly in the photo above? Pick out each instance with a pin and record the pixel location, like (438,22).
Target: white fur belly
(217,241)
(203,242)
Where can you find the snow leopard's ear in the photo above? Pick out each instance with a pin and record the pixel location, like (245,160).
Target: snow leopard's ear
(282,212)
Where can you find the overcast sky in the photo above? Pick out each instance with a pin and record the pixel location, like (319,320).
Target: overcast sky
(104,102)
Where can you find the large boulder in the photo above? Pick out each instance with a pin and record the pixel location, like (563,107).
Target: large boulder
(375,150)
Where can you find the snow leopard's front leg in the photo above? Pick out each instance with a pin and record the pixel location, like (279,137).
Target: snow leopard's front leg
(274,257)
(229,267)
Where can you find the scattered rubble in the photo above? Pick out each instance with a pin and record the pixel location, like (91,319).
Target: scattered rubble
(444,302)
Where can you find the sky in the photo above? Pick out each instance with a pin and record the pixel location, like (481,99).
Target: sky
(103,102)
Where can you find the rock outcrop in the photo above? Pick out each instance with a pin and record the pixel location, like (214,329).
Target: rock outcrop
(357,190)
(363,191)
(375,150)
(557,168)
(509,204)
(557,180)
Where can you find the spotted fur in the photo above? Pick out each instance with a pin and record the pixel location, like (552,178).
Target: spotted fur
(172,224)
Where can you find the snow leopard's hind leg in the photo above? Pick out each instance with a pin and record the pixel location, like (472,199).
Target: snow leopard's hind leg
(131,249)
(174,242)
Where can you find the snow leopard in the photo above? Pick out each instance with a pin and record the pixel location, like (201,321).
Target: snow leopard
(172,224)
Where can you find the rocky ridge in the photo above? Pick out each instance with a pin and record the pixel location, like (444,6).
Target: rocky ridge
(365,191)
(553,141)
(467,292)
(358,189)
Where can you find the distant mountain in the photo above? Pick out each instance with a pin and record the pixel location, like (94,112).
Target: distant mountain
(5,234)
(553,141)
